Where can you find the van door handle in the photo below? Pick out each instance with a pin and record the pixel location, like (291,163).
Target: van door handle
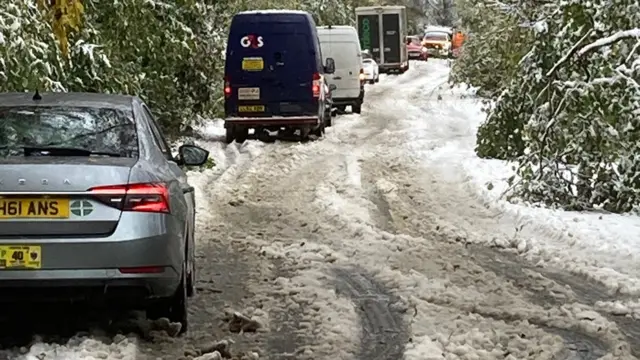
(337,77)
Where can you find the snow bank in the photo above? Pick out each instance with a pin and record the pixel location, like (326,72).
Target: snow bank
(604,247)
(85,348)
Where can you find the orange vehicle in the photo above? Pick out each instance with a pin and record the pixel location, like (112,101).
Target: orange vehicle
(458,40)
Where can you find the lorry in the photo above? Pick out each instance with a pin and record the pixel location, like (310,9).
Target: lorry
(382,30)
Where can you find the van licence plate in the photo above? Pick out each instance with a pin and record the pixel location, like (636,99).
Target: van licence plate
(252,64)
(251,108)
(249,93)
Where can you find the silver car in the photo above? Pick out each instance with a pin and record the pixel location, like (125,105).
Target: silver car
(93,205)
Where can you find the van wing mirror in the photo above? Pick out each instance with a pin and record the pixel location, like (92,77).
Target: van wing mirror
(330,66)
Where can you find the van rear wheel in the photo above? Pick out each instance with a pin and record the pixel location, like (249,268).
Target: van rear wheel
(241,135)
(229,135)
(356,108)
(304,133)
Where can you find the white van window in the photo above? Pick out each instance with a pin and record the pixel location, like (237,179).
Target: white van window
(344,53)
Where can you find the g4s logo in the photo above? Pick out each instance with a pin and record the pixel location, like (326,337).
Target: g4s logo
(252,41)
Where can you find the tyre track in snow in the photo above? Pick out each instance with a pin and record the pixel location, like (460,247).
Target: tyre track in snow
(252,217)
(384,331)
(556,287)
(579,344)
(224,274)
(276,213)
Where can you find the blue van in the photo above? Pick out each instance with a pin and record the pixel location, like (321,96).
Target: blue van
(274,75)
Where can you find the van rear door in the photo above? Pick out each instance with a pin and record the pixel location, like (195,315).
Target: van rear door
(270,66)
(348,64)
(391,38)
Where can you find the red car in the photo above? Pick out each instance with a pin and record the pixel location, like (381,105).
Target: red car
(415,49)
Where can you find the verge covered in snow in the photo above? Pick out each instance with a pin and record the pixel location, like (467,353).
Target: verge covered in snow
(602,246)
(82,348)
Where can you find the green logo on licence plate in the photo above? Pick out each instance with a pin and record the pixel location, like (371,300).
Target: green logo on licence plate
(81,208)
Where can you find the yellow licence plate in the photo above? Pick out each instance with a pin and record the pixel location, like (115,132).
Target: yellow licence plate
(37,208)
(251,108)
(253,64)
(20,257)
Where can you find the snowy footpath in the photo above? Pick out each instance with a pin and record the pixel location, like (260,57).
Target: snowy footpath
(382,241)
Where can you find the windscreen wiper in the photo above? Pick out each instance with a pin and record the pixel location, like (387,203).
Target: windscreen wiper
(64,151)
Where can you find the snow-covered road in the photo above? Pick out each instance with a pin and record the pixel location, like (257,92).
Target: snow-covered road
(381,242)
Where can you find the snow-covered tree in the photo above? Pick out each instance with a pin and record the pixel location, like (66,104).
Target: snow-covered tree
(569,113)
(440,12)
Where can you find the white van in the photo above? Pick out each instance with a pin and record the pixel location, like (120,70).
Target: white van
(343,45)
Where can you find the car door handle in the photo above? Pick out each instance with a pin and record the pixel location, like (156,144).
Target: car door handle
(337,77)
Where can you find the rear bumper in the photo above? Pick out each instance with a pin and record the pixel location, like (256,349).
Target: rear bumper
(383,68)
(418,56)
(271,121)
(437,52)
(83,268)
(98,286)
(347,101)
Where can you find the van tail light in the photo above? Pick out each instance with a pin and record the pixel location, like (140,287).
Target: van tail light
(315,85)
(144,197)
(362,76)
(227,86)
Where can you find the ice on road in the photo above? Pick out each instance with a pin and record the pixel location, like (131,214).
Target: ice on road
(381,241)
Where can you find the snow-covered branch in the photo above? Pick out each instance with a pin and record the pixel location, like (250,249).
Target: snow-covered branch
(569,54)
(509,9)
(609,40)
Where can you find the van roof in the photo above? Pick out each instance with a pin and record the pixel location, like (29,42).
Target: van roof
(338,27)
(436,28)
(386,7)
(337,30)
(272,11)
